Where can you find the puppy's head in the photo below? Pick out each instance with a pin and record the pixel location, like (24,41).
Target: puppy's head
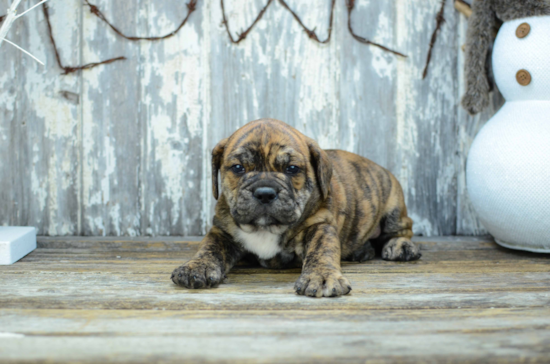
(269,171)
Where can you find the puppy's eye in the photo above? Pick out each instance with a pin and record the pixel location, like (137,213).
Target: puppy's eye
(292,170)
(238,169)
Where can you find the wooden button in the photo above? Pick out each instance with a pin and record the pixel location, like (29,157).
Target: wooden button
(523,30)
(523,77)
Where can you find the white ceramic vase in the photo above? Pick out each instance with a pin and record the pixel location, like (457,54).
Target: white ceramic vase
(508,169)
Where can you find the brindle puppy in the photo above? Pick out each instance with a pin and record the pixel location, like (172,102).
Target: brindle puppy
(288,202)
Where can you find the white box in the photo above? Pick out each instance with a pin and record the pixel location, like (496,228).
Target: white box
(16,242)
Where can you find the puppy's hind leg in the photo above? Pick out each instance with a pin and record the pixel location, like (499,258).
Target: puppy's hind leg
(397,230)
(364,253)
(400,249)
(396,238)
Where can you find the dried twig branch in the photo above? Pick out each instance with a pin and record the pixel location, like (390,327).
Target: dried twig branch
(31,8)
(351,4)
(69,69)
(7,22)
(440,20)
(311,32)
(24,51)
(244,33)
(463,7)
(191,6)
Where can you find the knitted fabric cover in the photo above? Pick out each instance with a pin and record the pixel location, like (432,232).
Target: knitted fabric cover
(508,170)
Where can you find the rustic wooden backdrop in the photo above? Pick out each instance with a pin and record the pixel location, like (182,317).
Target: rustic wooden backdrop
(123,149)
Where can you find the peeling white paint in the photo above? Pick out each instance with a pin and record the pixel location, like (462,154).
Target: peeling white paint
(37,183)
(172,162)
(196,86)
(206,97)
(11,335)
(382,62)
(421,225)
(114,214)
(7,99)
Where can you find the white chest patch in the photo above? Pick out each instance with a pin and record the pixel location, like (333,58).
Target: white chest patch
(262,243)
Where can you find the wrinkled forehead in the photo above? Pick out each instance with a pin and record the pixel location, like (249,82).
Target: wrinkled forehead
(267,144)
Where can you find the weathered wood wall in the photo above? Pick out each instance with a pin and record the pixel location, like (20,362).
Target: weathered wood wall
(123,149)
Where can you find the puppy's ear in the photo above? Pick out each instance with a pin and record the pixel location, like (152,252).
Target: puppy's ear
(217,156)
(322,165)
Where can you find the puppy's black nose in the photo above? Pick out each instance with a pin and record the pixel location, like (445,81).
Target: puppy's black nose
(265,194)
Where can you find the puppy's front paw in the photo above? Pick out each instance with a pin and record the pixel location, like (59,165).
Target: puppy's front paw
(198,273)
(322,283)
(400,249)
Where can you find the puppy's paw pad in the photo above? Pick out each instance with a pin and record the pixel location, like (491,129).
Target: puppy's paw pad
(401,249)
(330,283)
(198,273)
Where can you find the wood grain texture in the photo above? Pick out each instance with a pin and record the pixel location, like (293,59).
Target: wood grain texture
(368,120)
(124,149)
(173,111)
(426,115)
(245,336)
(105,300)
(40,118)
(111,139)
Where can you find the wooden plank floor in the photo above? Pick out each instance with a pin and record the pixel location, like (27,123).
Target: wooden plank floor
(98,300)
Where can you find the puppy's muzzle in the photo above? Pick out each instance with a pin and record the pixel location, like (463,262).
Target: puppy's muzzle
(264,202)
(266,195)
